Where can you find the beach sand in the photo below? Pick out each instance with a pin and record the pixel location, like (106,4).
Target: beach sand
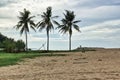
(102,64)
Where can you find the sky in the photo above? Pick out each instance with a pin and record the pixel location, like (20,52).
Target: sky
(100,22)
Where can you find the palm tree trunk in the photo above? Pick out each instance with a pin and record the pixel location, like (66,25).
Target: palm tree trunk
(69,42)
(26,46)
(47,40)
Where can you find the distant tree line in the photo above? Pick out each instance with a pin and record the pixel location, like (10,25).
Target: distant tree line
(10,45)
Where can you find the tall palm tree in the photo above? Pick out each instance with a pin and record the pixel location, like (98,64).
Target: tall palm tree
(68,23)
(47,23)
(25,22)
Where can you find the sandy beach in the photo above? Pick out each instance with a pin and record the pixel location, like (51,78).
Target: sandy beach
(93,65)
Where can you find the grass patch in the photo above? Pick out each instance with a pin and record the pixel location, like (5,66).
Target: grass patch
(12,59)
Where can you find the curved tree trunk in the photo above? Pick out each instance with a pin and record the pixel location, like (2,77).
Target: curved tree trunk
(47,40)
(26,46)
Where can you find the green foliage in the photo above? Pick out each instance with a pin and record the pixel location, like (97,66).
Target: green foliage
(9,45)
(2,38)
(11,59)
(1,45)
(20,45)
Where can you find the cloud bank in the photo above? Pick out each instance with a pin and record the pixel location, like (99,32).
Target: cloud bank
(100,24)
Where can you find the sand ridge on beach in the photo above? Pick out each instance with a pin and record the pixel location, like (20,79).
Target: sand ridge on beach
(93,65)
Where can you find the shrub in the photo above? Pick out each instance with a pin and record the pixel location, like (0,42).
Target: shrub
(9,45)
(20,46)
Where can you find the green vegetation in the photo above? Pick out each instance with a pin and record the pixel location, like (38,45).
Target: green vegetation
(10,45)
(11,59)
(20,45)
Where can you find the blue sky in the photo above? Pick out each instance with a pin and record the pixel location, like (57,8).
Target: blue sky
(100,26)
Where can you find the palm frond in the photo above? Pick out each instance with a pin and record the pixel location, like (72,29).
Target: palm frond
(43,16)
(77,21)
(30,18)
(33,28)
(64,29)
(76,27)
(41,28)
(32,23)
(37,24)
(49,11)
(55,22)
(22,30)
(50,26)
(54,17)
(60,26)
(64,21)
(40,24)
(69,15)
(21,13)
(20,18)
(20,23)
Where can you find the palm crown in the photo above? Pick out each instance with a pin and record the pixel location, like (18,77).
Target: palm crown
(46,20)
(25,21)
(68,23)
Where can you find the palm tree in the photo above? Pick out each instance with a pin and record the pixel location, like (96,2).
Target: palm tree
(46,23)
(68,23)
(25,22)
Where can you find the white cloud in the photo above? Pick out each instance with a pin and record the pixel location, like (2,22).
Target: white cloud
(108,30)
(105,13)
(107,24)
(101,12)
